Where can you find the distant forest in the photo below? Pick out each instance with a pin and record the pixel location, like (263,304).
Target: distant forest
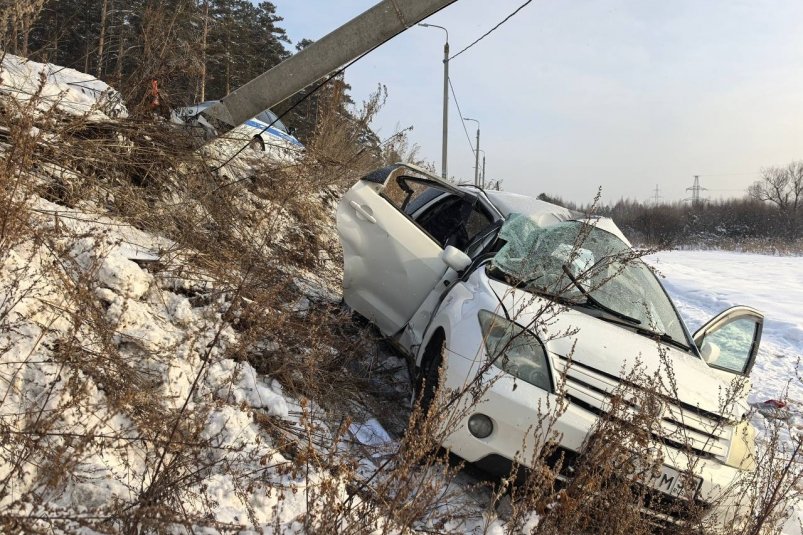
(768,218)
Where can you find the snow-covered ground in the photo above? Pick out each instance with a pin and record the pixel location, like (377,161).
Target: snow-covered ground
(703,283)
(159,333)
(74,92)
(85,318)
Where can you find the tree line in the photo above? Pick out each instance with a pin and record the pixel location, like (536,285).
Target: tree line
(771,211)
(196,50)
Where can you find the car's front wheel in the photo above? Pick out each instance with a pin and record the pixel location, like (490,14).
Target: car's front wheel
(257,144)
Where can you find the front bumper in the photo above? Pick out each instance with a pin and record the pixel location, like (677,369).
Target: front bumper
(523,420)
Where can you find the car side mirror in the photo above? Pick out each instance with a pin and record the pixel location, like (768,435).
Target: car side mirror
(455,258)
(709,351)
(734,335)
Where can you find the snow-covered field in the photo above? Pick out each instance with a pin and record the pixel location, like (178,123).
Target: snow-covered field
(703,283)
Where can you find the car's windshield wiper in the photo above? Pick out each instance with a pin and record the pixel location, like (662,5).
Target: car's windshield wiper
(540,290)
(591,301)
(663,337)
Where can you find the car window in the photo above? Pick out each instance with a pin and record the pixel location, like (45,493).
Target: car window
(268,117)
(478,220)
(601,263)
(442,222)
(455,221)
(404,192)
(452,220)
(422,200)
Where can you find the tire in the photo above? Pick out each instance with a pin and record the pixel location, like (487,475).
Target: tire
(428,379)
(257,144)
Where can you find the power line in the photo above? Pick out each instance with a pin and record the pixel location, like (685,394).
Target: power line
(725,189)
(291,108)
(456,103)
(486,34)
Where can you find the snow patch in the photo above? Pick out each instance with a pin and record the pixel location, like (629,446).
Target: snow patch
(71,91)
(238,382)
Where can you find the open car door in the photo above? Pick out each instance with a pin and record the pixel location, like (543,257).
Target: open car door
(729,342)
(390,264)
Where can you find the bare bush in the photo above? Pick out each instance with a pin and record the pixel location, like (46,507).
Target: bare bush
(782,187)
(149,382)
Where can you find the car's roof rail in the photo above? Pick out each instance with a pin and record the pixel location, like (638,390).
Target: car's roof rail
(380,175)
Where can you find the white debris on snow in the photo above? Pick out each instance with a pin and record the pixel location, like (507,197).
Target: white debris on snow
(370,433)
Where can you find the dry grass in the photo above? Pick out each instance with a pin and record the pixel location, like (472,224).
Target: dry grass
(256,256)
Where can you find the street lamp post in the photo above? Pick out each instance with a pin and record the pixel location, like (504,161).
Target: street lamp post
(445,142)
(482,180)
(482,173)
(476,153)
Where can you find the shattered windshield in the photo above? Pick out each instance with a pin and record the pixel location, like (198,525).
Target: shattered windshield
(606,271)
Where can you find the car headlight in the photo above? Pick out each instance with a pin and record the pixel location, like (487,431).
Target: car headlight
(742,454)
(515,350)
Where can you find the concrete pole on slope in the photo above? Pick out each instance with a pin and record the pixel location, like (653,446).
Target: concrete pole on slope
(359,36)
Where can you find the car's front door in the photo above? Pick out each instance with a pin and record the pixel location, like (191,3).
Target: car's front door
(729,341)
(390,264)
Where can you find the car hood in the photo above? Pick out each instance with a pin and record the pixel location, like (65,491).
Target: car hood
(615,350)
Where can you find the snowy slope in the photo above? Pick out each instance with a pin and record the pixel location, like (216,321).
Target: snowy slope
(74,92)
(158,336)
(108,365)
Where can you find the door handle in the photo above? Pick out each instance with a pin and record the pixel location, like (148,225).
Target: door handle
(362,211)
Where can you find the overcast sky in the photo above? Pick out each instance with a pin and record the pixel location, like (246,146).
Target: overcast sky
(577,95)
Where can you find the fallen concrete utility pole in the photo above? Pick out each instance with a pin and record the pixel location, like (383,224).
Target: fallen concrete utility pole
(358,36)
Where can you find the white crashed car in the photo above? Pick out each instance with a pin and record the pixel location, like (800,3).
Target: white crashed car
(452,274)
(265,132)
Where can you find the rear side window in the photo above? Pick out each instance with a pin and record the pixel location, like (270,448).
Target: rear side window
(407,193)
(272,119)
(455,221)
(452,219)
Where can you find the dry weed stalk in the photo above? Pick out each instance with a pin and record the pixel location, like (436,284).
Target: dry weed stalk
(245,253)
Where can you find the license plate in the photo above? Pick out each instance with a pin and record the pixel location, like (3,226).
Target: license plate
(667,480)
(675,483)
